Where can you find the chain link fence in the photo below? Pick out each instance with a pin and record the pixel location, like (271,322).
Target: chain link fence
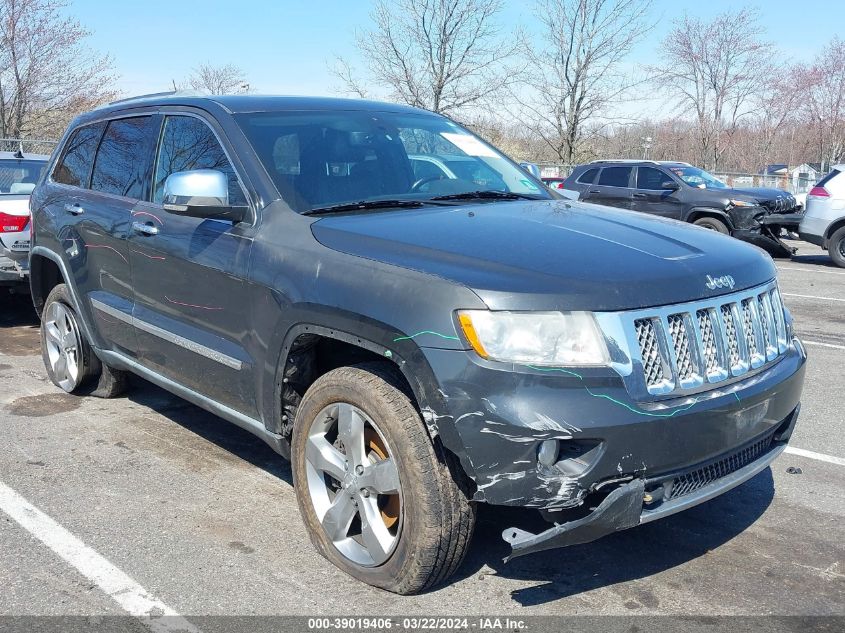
(28,145)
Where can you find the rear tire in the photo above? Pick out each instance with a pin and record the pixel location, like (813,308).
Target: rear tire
(713,224)
(836,247)
(68,358)
(425,529)
(70,362)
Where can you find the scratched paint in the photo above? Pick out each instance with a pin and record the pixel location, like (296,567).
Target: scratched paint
(426,333)
(191,305)
(109,248)
(638,411)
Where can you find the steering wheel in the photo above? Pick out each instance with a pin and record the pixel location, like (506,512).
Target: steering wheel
(424,181)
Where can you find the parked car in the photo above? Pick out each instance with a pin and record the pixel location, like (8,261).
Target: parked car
(824,220)
(682,192)
(556,182)
(415,347)
(18,175)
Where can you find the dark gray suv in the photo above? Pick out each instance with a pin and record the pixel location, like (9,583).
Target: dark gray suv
(415,344)
(682,192)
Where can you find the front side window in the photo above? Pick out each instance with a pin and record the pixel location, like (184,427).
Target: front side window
(698,178)
(341,157)
(651,178)
(615,176)
(74,168)
(18,177)
(187,143)
(122,158)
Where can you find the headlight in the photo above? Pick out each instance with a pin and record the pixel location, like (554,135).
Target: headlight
(537,338)
(742,203)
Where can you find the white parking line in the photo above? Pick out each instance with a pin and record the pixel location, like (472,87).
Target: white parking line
(820,344)
(131,596)
(812,269)
(817,456)
(786,294)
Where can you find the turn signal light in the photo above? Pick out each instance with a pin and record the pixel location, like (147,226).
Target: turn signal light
(13,223)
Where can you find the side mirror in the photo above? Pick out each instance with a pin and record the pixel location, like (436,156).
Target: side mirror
(670,185)
(201,193)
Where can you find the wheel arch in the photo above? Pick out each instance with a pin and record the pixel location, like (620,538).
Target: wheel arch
(833,228)
(696,213)
(299,353)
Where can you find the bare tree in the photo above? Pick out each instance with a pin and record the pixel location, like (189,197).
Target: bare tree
(825,101)
(441,55)
(575,67)
(47,75)
(713,69)
(218,80)
(776,106)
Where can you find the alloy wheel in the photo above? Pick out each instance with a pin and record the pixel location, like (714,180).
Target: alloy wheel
(353,483)
(64,345)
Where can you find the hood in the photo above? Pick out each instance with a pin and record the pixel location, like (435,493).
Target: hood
(551,255)
(776,200)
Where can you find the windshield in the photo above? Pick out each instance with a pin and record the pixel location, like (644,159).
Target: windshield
(321,159)
(699,178)
(18,177)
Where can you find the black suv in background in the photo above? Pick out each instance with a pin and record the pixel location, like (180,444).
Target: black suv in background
(415,344)
(682,192)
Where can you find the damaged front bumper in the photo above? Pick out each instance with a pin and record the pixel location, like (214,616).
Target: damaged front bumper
(763,229)
(644,500)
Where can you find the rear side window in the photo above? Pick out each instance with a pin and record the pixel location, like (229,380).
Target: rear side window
(588,177)
(188,144)
(74,167)
(615,176)
(123,157)
(650,178)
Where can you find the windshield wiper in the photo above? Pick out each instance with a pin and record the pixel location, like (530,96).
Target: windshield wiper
(366,204)
(486,194)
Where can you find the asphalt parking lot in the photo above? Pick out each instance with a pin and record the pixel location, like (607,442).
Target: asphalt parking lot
(203,517)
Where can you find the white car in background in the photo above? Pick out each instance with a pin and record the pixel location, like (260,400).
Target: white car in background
(18,174)
(824,219)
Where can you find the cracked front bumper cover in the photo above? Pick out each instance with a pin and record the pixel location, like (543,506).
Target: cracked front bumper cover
(623,509)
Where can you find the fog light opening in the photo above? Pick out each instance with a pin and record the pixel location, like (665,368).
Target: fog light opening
(547,452)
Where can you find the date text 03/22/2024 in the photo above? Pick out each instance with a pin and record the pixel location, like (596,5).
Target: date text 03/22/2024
(416,624)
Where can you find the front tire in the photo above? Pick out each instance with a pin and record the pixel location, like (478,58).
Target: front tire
(377,496)
(713,224)
(836,247)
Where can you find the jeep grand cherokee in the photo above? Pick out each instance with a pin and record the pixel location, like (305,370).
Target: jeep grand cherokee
(416,345)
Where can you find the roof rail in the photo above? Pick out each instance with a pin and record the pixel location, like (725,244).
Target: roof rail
(640,160)
(623,160)
(169,93)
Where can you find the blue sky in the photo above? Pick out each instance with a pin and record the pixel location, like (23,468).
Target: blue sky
(284,45)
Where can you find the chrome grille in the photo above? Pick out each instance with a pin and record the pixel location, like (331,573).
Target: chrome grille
(650,352)
(730,336)
(708,341)
(685,347)
(681,347)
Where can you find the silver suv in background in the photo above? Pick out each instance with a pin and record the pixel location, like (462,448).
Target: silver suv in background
(18,174)
(824,221)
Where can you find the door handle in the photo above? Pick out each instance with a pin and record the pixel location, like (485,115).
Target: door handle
(641,195)
(594,191)
(74,209)
(145,229)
